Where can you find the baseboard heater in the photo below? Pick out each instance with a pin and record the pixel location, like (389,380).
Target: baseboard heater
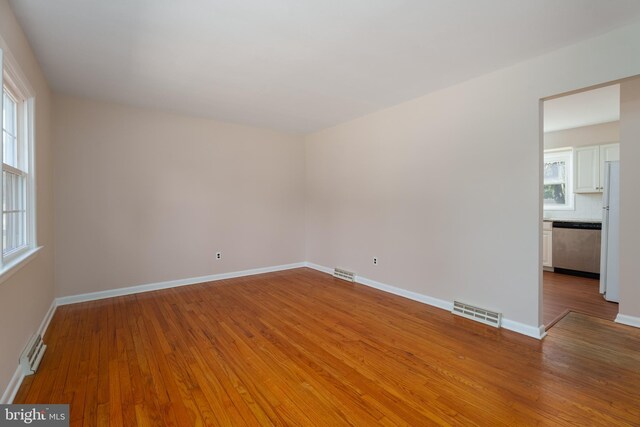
(478,314)
(32,355)
(344,275)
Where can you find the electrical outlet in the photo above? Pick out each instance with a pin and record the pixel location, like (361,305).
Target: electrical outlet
(218,255)
(375,260)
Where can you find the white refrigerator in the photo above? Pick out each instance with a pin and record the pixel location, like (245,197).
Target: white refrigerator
(609,257)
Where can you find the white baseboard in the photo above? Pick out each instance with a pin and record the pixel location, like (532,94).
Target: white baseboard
(13,387)
(92,296)
(521,328)
(524,329)
(436,302)
(628,320)
(44,325)
(16,380)
(319,267)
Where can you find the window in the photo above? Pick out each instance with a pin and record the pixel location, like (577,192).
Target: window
(16,182)
(558,185)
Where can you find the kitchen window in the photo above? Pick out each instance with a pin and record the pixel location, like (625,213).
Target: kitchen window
(558,179)
(17,179)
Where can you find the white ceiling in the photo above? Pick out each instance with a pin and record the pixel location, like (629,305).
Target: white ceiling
(298,65)
(583,109)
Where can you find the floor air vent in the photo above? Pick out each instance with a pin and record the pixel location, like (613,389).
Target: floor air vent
(32,355)
(344,274)
(478,314)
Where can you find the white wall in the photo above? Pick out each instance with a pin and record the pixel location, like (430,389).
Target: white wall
(604,133)
(144,196)
(27,295)
(445,189)
(630,198)
(587,206)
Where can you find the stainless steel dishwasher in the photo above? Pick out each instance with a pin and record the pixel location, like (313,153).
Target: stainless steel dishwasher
(576,248)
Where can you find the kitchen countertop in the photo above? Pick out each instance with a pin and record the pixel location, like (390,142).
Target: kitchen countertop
(572,220)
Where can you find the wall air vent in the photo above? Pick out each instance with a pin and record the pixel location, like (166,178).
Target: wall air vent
(478,314)
(344,275)
(32,355)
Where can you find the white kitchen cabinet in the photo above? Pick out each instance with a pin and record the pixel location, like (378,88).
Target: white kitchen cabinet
(588,166)
(608,153)
(547,244)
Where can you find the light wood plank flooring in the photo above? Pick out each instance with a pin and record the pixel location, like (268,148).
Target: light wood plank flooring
(301,348)
(564,293)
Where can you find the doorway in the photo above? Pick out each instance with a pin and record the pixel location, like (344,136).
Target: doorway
(580,175)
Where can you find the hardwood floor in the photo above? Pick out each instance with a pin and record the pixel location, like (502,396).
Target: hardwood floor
(563,293)
(301,348)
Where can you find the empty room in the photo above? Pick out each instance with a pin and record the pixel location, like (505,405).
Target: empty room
(323,213)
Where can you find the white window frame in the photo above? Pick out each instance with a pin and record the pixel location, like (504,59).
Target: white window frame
(15,81)
(565,154)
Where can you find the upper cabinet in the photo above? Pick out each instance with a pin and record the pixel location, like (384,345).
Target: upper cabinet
(608,153)
(589,166)
(586,167)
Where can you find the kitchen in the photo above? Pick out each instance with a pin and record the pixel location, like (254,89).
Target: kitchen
(581,199)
